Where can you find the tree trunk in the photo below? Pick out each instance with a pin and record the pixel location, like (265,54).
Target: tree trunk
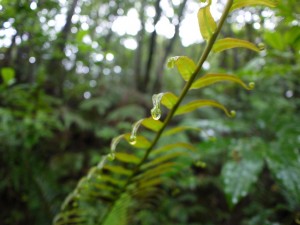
(57,74)
(152,49)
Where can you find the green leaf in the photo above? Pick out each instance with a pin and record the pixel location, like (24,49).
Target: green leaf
(104,187)
(184,64)
(151,182)
(228,43)
(118,169)
(241,172)
(206,22)
(128,158)
(284,165)
(110,179)
(151,124)
(239,176)
(156,171)
(8,75)
(161,159)
(175,130)
(275,40)
(202,103)
(73,216)
(140,142)
(119,213)
(173,146)
(210,79)
(244,3)
(169,100)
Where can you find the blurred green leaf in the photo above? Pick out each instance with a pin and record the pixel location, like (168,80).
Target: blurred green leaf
(150,123)
(240,174)
(285,166)
(244,3)
(175,130)
(206,22)
(129,158)
(169,100)
(8,75)
(178,145)
(228,43)
(213,78)
(275,40)
(184,64)
(141,141)
(189,107)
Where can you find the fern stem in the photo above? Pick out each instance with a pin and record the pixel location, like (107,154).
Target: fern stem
(187,86)
(171,113)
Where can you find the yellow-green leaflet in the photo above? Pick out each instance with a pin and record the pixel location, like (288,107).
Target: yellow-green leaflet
(128,158)
(151,124)
(206,22)
(202,103)
(228,43)
(178,145)
(184,64)
(140,142)
(175,130)
(169,100)
(243,3)
(210,79)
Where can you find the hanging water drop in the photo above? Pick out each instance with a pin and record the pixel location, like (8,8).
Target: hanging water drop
(156,111)
(135,127)
(132,140)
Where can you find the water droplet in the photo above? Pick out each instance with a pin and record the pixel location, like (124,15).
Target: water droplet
(261,46)
(232,113)
(135,127)
(251,85)
(132,140)
(111,156)
(156,111)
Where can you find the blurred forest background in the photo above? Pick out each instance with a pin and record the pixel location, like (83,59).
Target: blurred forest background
(75,74)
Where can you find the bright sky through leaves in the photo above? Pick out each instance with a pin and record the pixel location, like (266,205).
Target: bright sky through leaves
(129,23)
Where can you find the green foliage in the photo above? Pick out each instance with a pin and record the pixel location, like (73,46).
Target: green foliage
(8,75)
(67,89)
(133,179)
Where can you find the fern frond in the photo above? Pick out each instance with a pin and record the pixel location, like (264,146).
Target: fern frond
(132,180)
